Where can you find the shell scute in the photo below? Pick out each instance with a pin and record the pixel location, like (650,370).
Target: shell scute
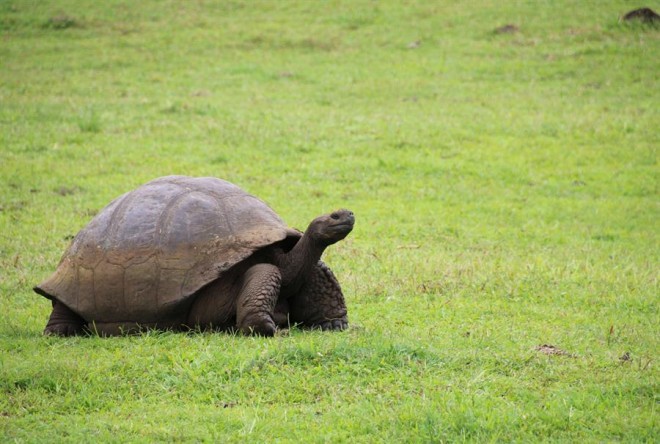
(148,251)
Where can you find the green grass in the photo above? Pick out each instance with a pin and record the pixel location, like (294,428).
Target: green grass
(505,188)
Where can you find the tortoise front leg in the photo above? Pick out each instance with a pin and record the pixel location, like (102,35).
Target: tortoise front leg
(320,303)
(64,322)
(257,299)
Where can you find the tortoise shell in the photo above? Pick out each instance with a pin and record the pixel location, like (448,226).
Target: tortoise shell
(146,254)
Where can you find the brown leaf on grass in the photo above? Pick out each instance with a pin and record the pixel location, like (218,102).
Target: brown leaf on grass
(552,350)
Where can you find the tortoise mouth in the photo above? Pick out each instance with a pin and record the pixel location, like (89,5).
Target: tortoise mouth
(340,230)
(332,227)
(343,227)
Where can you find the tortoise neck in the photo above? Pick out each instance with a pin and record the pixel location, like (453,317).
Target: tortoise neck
(297,264)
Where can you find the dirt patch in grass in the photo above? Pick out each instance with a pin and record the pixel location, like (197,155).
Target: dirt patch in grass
(506,29)
(644,15)
(548,349)
(62,21)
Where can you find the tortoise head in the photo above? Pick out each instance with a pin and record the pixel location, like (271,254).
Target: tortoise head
(332,227)
(297,265)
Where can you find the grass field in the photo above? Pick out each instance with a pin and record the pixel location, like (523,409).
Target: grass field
(505,186)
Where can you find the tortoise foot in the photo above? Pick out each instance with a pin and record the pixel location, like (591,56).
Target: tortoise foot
(64,322)
(333,325)
(64,330)
(260,327)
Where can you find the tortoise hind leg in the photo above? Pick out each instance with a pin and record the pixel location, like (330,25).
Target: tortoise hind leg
(64,322)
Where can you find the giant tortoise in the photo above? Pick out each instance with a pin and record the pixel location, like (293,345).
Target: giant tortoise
(183,253)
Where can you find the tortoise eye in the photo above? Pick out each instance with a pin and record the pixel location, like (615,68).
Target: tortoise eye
(335,216)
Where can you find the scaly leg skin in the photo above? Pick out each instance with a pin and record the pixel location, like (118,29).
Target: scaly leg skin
(257,299)
(320,303)
(64,322)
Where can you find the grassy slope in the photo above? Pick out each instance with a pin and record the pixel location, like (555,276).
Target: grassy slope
(505,188)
